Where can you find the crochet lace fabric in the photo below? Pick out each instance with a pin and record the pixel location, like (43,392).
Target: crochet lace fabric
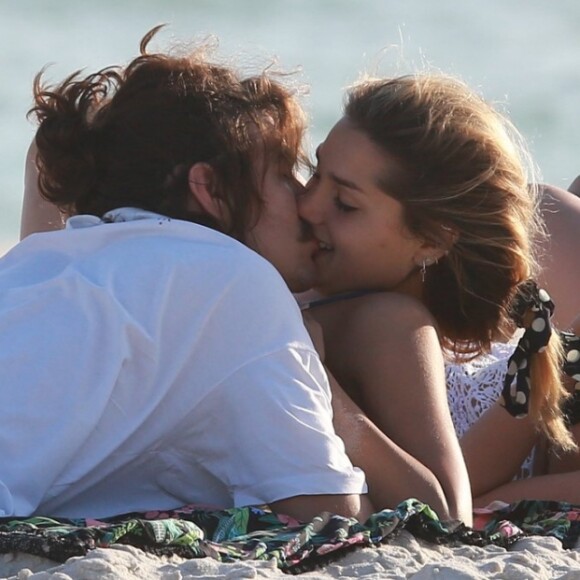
(474,386)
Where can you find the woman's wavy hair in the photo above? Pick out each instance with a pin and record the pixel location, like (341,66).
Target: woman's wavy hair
(463,180)
(127,136)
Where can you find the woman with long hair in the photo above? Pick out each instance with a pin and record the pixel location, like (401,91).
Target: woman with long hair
(421,199)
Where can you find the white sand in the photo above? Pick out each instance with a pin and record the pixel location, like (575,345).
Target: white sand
(404,557)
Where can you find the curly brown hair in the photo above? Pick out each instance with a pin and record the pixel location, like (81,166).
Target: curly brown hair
(127,136)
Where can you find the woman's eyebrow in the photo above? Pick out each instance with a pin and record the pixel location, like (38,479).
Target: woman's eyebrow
(345,183)
(337,179)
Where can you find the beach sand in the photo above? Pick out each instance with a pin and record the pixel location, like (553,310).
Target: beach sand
(404,557)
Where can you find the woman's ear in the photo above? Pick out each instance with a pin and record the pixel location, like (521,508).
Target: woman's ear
(449,236)
(431,251)
(201,179)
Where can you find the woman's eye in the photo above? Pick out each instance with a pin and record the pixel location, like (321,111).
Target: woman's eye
(341,206)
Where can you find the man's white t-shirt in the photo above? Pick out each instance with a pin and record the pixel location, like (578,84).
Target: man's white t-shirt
(152,363)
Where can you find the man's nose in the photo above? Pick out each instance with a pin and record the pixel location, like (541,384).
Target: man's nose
(311,206)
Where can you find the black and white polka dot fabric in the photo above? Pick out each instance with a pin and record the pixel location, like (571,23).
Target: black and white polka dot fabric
(516,387)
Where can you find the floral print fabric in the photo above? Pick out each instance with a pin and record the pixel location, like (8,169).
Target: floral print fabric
(258,534)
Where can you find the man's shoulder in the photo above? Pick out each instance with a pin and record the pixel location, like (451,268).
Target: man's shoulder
(170,241)
(192,248)
(229,253)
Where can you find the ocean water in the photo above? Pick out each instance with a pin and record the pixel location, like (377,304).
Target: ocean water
(522,54)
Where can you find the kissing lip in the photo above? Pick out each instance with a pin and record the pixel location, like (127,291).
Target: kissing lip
(321,247)
(307,235)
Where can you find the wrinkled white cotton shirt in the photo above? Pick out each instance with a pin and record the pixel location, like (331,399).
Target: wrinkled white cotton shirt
(154,363)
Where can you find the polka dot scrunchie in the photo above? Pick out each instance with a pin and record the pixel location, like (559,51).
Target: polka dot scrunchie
(536,301)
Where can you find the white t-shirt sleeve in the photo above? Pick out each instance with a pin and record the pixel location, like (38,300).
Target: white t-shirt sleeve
(274,437)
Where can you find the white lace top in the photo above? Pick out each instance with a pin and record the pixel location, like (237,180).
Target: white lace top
(472,387)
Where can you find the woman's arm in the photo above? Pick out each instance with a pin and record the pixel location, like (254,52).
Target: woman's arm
(495,447)
(384,348)
(38,214)
(557,487)
(392,474)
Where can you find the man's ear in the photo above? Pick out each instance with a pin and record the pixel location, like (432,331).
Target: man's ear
(201,179)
